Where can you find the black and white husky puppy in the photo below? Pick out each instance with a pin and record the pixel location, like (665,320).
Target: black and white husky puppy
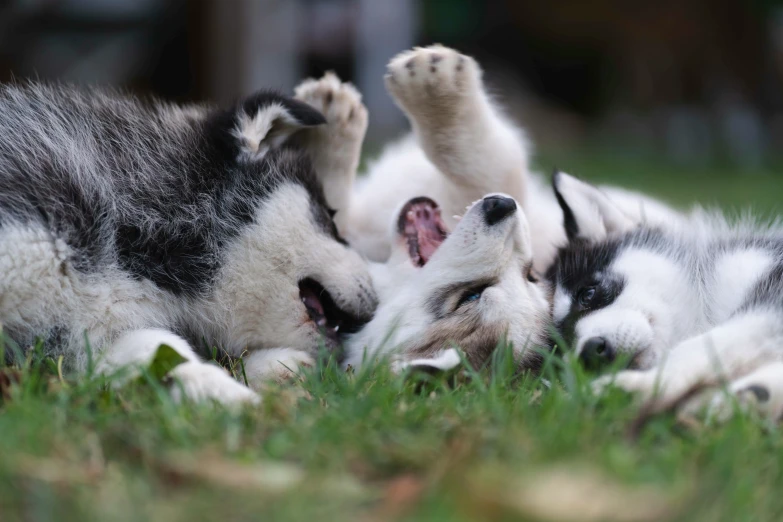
(691,303)
(133,223)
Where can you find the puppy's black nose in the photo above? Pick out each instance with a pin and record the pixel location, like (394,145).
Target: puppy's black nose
(496,208)
(597,353)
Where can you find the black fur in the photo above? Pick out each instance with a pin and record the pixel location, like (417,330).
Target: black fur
(569,221)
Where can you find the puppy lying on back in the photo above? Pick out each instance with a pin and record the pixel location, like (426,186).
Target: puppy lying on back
(133,224)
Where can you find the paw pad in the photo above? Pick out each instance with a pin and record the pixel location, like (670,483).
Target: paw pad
(421,75)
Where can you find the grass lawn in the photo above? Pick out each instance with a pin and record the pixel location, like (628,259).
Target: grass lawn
(370,446)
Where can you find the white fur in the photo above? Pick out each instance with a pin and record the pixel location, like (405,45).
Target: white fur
(734,275)
(445,361)
(202,382)
(561,306)
(335,147)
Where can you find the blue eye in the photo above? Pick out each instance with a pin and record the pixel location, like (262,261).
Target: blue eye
(474,294)
(586,296)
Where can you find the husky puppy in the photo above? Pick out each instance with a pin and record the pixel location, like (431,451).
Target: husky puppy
(689,303)
(471,289)
(133,223)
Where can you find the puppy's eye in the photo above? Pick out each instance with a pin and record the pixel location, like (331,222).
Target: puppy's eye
(474,294)
(586,296)
(530,275)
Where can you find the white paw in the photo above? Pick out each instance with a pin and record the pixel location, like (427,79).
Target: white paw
(278,365)
(339,102)
(136,349)
(761,391)
(200,382)
(432,78)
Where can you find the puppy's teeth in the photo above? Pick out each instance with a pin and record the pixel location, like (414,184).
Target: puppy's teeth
(456,217)
(337,328)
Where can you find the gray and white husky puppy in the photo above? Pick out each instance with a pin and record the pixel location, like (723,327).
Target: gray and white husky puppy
(690,303)
(134,223)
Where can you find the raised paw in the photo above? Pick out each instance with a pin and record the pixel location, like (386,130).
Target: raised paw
(339,102)
(435,75)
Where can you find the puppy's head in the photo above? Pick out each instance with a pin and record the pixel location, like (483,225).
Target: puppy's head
(289,280)
(471,289)
(617,288)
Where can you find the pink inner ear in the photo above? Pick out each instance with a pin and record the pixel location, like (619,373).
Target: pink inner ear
(422,228)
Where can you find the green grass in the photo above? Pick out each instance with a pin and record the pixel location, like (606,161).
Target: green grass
(371,446)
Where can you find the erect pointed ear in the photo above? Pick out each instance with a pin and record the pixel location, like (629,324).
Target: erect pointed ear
(587,212)
(266,120)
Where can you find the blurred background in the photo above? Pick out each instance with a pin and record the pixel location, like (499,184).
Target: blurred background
(683,98)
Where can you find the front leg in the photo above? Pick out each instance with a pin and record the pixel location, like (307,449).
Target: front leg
(335,147)
(460,130)
(275,365)
(197,381)
(728,351)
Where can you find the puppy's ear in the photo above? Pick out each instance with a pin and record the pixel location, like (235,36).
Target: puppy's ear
(266,120)
(587,212)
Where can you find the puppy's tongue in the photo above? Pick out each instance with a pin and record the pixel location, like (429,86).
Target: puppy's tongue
(423,229)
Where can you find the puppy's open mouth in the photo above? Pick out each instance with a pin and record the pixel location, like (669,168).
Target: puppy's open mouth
(330,319)
(422,228)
